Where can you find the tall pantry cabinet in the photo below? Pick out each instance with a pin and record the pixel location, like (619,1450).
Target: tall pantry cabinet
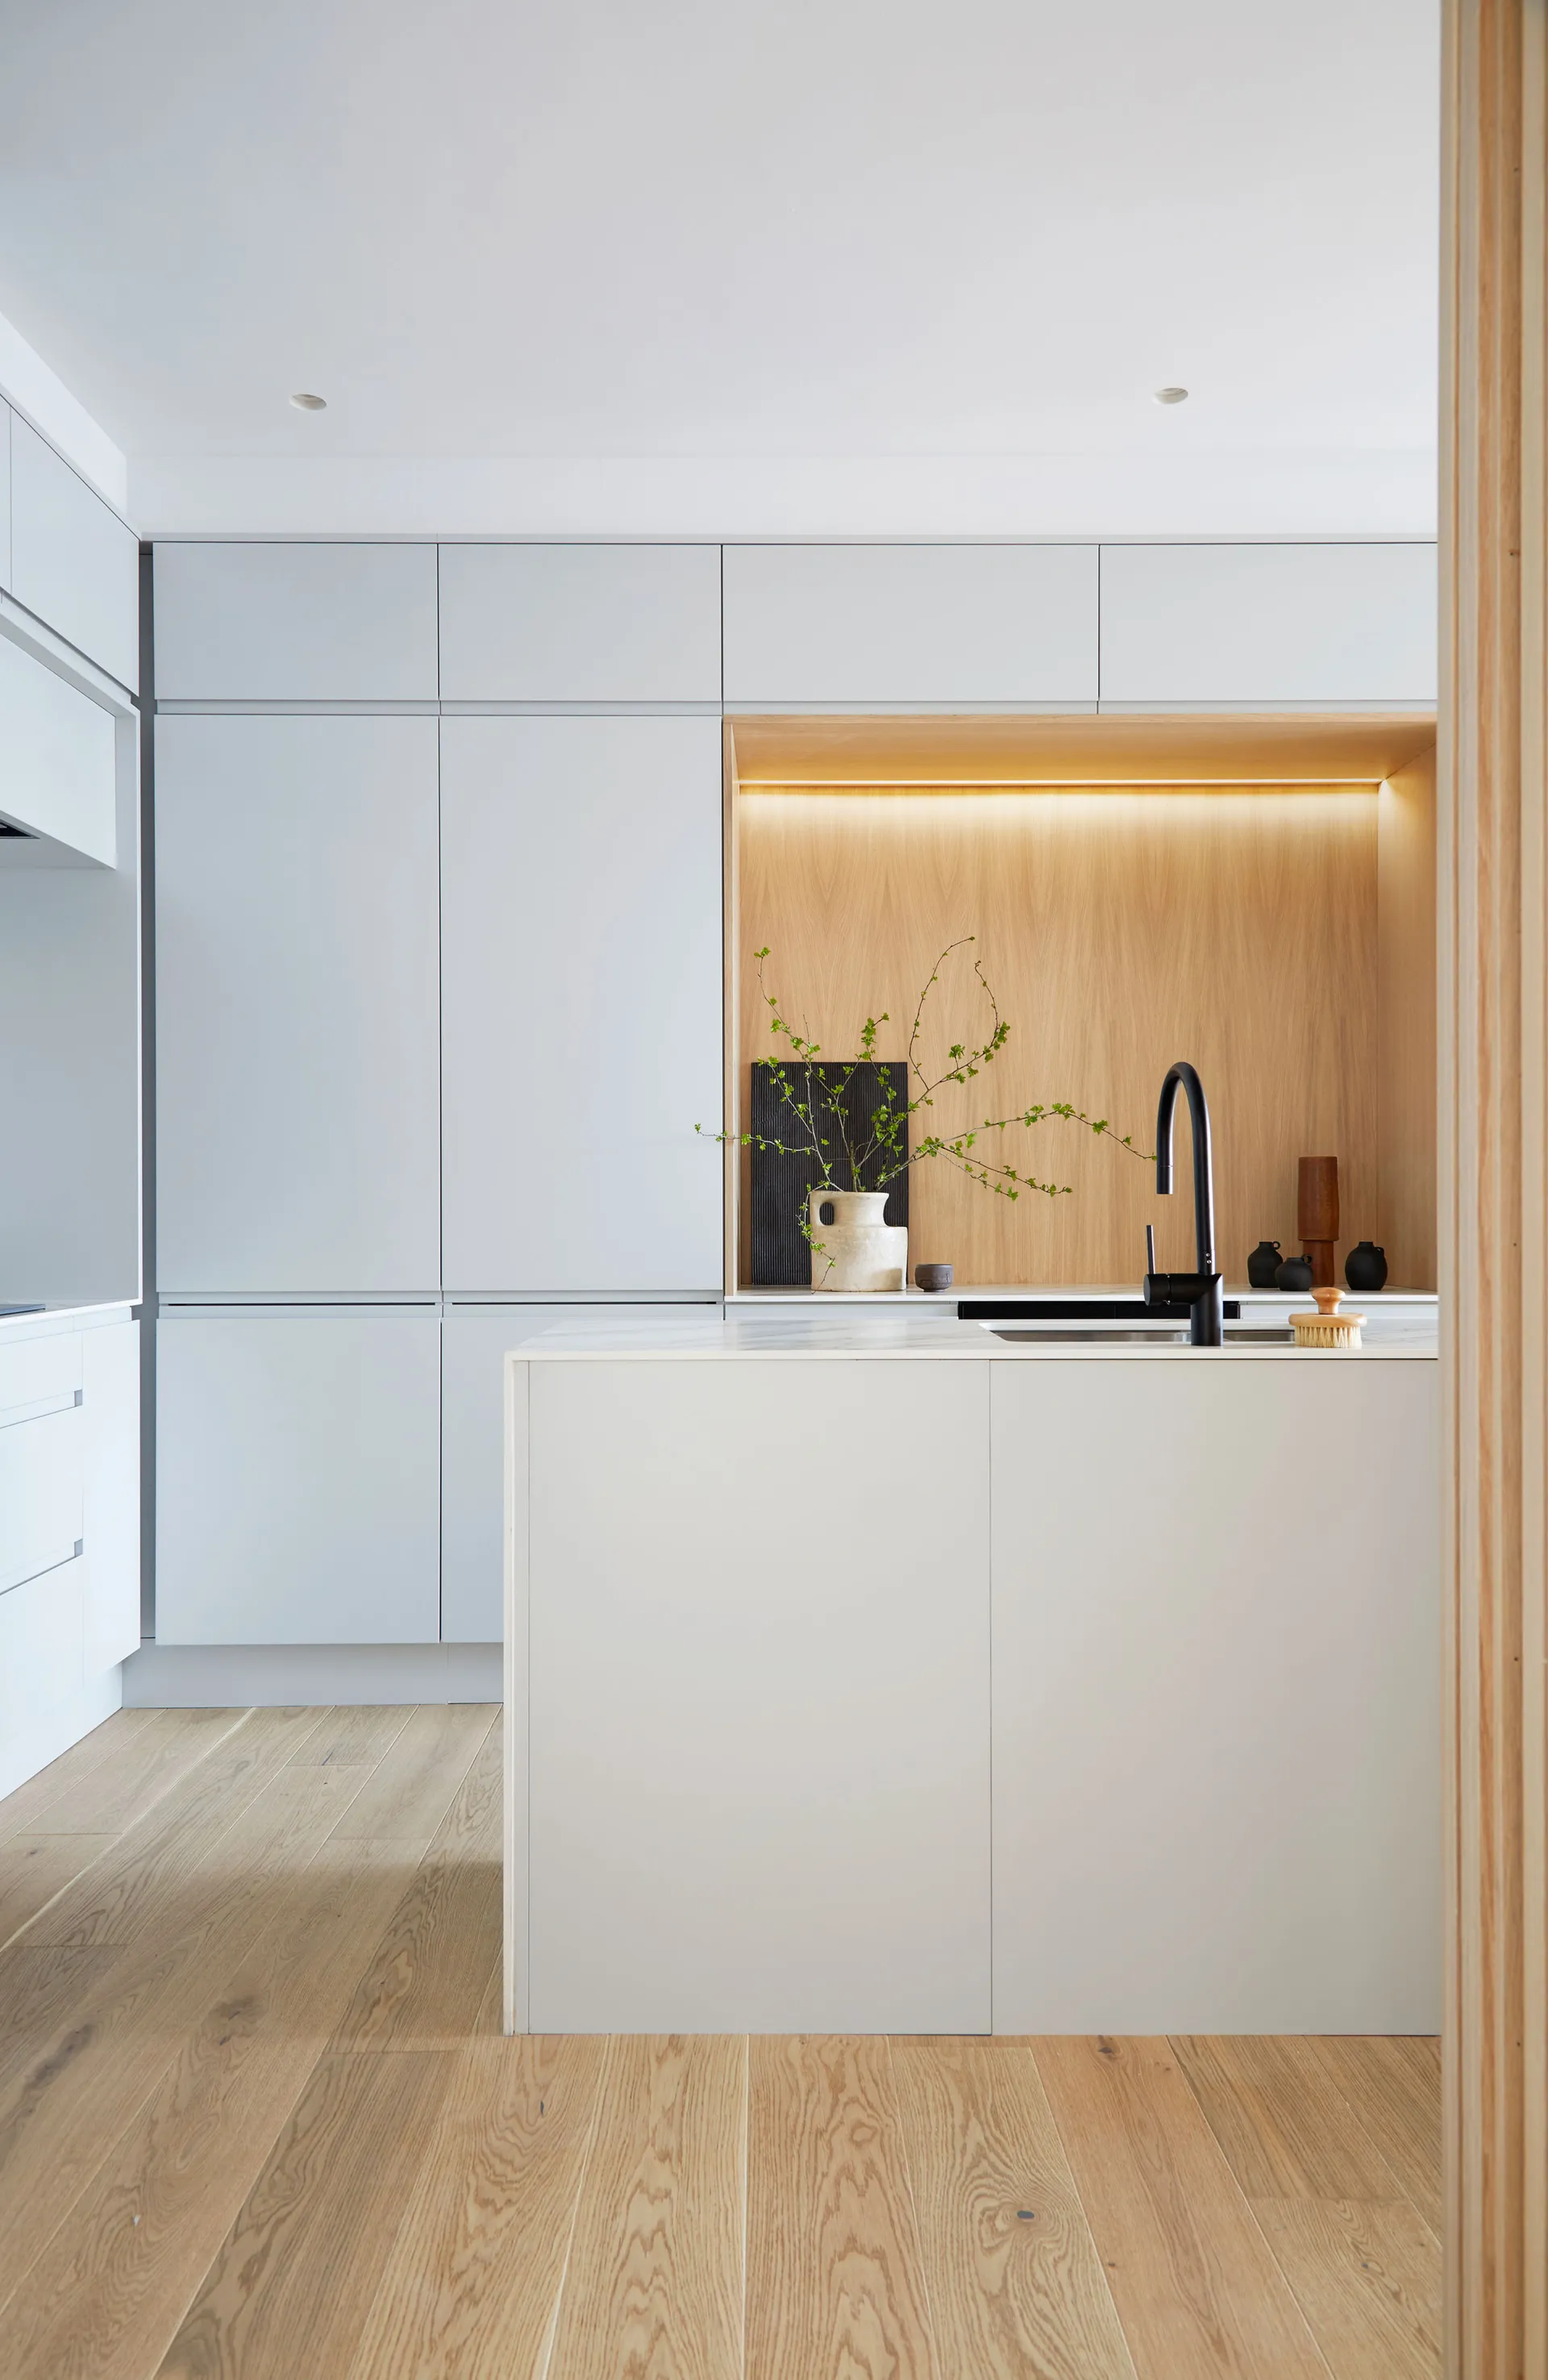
(438,916)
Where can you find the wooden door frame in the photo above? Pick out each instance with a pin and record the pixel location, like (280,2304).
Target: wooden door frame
(1493,1178)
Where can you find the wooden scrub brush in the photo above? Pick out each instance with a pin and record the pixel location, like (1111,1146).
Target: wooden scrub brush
(1327,1327)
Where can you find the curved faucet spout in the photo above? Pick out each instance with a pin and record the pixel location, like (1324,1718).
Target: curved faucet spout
(1184,1076)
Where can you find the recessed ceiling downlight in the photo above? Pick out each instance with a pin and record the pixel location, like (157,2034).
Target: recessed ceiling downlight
(305,402)
(1163,396)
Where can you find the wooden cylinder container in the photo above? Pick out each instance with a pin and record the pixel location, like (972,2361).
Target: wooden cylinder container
(1317,1214)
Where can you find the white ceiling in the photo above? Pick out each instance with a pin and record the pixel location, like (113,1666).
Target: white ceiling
(686,228)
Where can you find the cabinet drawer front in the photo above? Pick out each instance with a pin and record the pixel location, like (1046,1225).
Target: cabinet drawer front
(39,1374)
(41,1494)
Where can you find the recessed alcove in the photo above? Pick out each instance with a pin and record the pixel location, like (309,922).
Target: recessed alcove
(1254,893)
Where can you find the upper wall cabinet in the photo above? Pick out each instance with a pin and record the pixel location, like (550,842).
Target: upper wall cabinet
(5,493)
(1200,624)
(73,562)
(911,626)
(57,759)
(298,1075)
(295,624)
(551,624)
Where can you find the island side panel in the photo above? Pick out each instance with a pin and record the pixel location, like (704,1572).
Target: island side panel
(1217,1702)
(517,1394)
(759,1697)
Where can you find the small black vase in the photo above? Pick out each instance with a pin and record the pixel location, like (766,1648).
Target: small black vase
(1263,1264)
(1294,1273)
(1365,1268)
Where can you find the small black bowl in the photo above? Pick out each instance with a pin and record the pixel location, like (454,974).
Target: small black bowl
(932,1276)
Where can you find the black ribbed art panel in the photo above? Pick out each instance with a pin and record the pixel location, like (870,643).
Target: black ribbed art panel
(781,1259)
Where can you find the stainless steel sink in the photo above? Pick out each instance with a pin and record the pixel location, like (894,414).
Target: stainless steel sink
(1094,1335)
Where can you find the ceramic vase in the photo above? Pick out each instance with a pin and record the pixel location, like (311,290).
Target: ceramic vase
(856,1250)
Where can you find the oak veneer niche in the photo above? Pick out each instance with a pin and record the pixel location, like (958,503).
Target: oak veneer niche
(1279,934)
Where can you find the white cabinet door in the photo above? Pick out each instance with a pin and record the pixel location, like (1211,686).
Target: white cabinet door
(58,777)
(580,623)
(581,1004)
(297,1477)
(73,562)
(1185,625)
(472,1347)
(760,1697)
(109,1374)
(1217,1721)
(294,622)
(915,625)
(297,957)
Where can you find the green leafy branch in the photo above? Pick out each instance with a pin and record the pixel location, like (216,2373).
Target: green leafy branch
(824,1135)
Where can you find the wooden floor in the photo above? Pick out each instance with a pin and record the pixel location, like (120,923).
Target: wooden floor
(257,2118)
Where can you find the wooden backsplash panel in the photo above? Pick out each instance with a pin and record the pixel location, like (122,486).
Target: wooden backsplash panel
(1121,930)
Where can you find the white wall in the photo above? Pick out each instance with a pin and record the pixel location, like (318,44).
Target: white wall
(1366,492)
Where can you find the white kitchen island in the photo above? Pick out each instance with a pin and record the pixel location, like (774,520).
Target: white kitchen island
(868,1672)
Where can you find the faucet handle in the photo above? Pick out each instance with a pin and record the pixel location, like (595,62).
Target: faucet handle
(1149,1248)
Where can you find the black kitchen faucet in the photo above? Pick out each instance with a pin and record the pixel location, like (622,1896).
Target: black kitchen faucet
(1199,1291)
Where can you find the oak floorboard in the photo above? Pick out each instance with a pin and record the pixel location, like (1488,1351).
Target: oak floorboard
(33,1868)
(154,1876)
(1286,2129)
(355,1735)
(654,2279)
(1016,2287)
(418,1779)
(294,2283)
(1366,2269)
(78,2073)
(835,2281)
(105,2295)
(21,1809)
(1368,2279)
(1394,2087)
(1197,2289)
(427,1976)
(472,2283)
(109,1796)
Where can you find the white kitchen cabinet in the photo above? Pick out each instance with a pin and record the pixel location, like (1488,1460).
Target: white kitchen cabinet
(581,995)
(58,777)
(1216,1777)
(5,493)
(74,563)
(1261,625)
(110,1413)
(41,1681)
(628,623)
(757,1776)
(911,626)
(294,622)
(474,1342)
(297,1488)
(41,1490)
(296,965)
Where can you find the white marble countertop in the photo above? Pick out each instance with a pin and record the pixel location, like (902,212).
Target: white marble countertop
(699,1333)
(45,1319)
